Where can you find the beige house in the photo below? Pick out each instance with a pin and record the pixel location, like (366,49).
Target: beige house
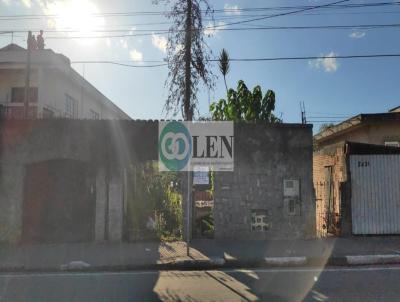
(56,89)
(377,128)
(362,134)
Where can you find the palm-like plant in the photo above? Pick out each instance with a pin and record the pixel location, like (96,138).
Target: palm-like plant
(223,64)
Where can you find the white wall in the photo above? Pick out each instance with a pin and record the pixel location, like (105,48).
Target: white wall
(55,79)
(13,78)
(56,85)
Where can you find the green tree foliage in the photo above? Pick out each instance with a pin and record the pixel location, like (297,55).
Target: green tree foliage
(155,195)
(224,65)
(205,225)
(245,105)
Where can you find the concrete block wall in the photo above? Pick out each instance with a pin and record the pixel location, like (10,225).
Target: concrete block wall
(103,145)
(11,196)
(265,156)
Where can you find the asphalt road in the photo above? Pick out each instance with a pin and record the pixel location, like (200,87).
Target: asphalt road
(332,284)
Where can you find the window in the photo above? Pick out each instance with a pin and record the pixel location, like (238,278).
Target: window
(71,107)
(18,94)
(94,115)
(259,220)
(392,144)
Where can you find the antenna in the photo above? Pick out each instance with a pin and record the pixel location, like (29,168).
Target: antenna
(303,113)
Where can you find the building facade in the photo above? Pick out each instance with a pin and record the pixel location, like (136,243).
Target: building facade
(377,129)
(364,134)
(269,194)
(67,180)
(56,89)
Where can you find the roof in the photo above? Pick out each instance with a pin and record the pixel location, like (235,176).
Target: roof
(357,121)
(395,109)
(364,149)
(12,47)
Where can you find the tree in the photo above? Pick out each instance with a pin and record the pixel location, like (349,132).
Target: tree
(187,55)
(156,195)
(244,105)
(224,66)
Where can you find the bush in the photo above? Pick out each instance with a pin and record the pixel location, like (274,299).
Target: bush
(154,196)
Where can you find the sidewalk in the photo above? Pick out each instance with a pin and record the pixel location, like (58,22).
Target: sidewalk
(203,254)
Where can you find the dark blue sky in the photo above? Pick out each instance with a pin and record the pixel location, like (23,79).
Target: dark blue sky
(328,87)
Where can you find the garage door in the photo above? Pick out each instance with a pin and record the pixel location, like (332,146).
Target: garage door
(375,194)
(59,202)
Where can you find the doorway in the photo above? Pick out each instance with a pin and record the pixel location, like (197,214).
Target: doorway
(59,202)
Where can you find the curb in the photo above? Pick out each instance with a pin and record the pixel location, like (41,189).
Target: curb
(373,259)
(285,261)
(219,263)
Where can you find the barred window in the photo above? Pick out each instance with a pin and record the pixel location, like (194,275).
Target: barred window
(71,107)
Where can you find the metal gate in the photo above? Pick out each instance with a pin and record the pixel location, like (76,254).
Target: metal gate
(375,194)
(59,202)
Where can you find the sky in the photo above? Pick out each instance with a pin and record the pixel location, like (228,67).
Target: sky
(331,88)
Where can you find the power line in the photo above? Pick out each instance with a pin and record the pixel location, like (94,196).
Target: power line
(165,31)
(334,5)
(251,60)
(316,57)
(332,114)
(323,122)
(327,117)
(286,14)
(118,64)
(145,32)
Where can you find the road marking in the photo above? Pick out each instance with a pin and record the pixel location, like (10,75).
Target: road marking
(266,270)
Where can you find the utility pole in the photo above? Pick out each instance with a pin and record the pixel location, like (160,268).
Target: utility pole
(188,115)
(28,76)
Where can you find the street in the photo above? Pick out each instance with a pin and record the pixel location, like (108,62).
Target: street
(291,284)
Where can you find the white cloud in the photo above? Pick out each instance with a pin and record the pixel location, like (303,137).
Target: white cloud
(232,9)
(136,55)
(27,3)
(6,2)
(327,62)
(213,29)
(159,42)
(357,34)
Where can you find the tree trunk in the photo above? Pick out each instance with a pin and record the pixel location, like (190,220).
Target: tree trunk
(188,116)
(226,86)
(188,109)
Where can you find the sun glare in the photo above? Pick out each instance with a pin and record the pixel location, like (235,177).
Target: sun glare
(80,17)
